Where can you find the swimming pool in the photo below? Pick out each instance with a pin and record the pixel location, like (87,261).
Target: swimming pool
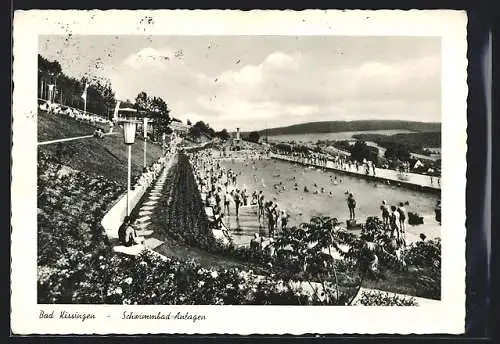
(301,206)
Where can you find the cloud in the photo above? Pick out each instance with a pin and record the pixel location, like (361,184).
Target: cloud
(286,88)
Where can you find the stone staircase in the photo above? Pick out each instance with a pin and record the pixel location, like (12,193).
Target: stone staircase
(143,220)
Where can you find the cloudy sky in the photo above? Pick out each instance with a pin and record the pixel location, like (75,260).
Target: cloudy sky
(253,82)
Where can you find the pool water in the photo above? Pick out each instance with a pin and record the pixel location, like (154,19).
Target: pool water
(301,206)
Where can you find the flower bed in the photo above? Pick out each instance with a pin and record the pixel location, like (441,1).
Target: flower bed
(70,206)
(182,209)
(371,298)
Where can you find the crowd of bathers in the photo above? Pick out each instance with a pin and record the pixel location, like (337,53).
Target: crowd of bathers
(223,196)
(394,218)
(337,161)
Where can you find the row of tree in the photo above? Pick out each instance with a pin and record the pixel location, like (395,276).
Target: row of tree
(100,99)
(201,128)
(68,90)
(156,109)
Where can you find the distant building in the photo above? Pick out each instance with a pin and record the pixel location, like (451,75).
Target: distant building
(236,140)
(179,128)
(433,150)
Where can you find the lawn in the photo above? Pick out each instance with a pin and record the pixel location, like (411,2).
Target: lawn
(99,157)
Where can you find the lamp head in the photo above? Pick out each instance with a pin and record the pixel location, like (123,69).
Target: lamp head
(129,128)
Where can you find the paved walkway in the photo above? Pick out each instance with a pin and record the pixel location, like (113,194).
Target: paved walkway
(414,179)
(70,139)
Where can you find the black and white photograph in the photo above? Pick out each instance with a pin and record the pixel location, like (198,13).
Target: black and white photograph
(241,169)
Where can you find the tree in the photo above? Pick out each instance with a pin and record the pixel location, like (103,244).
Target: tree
(305,253)
(195,132)
(161,115)
(360,150)
(143,102)
(48,72)
(201,128)
(397,152)
(223,134)
(254,136)
(188,122)
(68,90)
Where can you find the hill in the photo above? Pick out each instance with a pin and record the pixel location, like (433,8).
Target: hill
(340,126)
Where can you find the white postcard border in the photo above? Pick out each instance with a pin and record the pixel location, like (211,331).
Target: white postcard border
(447,317)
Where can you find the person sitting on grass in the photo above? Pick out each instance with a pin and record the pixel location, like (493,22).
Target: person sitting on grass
(98,133)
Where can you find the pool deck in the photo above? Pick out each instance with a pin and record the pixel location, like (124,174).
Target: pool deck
(415,181)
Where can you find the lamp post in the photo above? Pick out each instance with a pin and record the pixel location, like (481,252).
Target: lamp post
(129,127)
(163,143)
(145,127)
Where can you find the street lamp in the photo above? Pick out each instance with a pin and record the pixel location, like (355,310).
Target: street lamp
(129,127)
(145,127)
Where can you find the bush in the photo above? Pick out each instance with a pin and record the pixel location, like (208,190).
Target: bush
(424,260)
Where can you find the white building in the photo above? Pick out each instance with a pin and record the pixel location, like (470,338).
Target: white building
(179,127)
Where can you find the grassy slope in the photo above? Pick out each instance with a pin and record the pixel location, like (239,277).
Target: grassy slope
(340,126)
(107,157)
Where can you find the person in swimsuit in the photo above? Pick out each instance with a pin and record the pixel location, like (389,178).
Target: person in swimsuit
(261,204)
(237,201)
(385,213)
(351,204)
(394,222)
